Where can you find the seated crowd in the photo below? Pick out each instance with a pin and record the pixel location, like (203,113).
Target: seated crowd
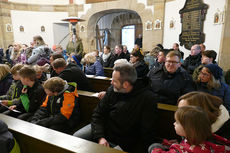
(40,85)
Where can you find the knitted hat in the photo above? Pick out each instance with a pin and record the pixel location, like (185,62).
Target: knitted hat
(215,70)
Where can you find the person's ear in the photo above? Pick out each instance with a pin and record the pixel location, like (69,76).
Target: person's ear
(125,84)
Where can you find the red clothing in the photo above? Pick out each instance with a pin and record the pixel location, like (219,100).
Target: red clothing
(206,147)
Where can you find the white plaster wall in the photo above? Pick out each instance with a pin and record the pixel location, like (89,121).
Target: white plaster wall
(32,22)
(40,2)
(212,31)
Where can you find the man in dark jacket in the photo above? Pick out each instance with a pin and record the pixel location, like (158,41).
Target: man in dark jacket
(71,73)
(170,81)
(126,115)
(193,60)
(119,54)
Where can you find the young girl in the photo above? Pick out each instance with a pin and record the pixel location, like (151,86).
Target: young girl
(193,125)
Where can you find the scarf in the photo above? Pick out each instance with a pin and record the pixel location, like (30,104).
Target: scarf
(105,57)
(222,118)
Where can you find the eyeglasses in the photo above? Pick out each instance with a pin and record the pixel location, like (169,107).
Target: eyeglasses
(172,62)
(204,74)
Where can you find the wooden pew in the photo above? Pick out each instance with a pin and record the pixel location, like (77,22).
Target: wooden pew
(165,128)
(88,102)
(108,72)
(99,83)
(36,139)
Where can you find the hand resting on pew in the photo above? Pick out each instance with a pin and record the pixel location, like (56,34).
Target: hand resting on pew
(101,94)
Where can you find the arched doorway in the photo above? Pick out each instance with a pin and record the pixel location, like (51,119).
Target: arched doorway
(108,26)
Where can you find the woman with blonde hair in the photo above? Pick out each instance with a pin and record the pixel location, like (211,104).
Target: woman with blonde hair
(209,80)
(40,51)
(5,79)
(16,53)
(213,106)
(92,65)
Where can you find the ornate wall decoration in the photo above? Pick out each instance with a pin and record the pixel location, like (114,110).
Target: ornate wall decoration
(43,29)
(9,28)
(172,24)
(192,18)
(157,24)
(21,29)
(148,25)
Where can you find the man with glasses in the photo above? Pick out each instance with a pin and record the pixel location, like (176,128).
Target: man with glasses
(170,81)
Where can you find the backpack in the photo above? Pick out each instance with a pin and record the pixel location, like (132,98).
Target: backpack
(44,58)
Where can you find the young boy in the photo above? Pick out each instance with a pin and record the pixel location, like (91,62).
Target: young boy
(13,94)
(60,110)
(32,95)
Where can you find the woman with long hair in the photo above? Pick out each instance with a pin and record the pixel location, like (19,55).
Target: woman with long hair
(209,80)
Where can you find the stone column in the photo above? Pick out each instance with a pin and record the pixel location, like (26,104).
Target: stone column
(224,53)
(159,13)
(5,18)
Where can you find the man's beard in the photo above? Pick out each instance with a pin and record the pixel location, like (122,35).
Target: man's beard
(121,90)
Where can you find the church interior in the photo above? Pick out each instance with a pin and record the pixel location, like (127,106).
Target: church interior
(97,24)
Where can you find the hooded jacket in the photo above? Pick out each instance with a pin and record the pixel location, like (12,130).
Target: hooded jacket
(60,109)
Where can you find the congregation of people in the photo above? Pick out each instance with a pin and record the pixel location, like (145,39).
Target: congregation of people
(40,85)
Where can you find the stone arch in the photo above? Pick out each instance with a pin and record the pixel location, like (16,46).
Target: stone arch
(131,18)
(98,10)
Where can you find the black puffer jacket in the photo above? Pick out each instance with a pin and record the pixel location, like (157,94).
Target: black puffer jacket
(72,73)
(191,63)
(168,87)
(126,119)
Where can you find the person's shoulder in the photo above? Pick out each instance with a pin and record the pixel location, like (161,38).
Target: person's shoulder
(184,74)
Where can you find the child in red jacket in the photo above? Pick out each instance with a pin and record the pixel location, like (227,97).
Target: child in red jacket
(193,124)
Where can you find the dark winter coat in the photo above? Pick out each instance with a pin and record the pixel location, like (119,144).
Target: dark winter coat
(5,84)
(223,92)
(142,69)
(126,119)
(169,87)
(36,96)
(72,73)
(191,63)
(6,138)
(109,62)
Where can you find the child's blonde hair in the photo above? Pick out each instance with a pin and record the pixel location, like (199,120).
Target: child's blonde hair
(195,122)
(4,71)
(15,69)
